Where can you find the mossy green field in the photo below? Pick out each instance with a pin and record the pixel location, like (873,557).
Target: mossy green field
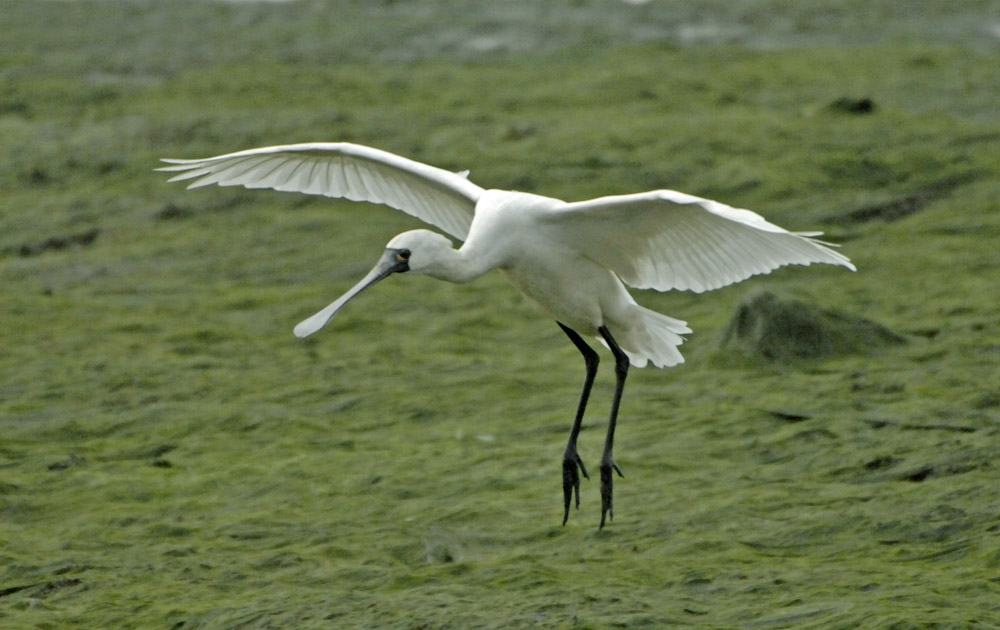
(171,456)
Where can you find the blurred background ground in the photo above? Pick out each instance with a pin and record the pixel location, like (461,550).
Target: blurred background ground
(172,457)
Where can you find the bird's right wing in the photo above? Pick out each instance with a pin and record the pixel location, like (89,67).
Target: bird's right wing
(669,240)
(350,171)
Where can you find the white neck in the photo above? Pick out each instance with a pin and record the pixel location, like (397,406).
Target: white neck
(455,265)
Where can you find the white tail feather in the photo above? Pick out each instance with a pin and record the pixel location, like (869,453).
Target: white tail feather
(653,340)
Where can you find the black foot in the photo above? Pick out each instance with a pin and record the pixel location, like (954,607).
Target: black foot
(607,487)
(572,467)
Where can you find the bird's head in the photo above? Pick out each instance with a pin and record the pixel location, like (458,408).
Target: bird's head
(418,251)
(424,251)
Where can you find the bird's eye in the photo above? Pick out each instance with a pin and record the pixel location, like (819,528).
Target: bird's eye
(403,255)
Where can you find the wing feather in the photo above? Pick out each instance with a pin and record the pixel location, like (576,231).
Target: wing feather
(344,170)
(669,240)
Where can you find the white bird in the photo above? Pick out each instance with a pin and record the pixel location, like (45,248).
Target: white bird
(571,259)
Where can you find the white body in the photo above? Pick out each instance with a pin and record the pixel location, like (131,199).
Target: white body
(509,231)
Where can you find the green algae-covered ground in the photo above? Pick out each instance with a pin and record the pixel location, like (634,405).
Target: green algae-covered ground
(172,457)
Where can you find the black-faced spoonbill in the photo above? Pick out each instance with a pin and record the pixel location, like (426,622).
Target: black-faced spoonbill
(571,259)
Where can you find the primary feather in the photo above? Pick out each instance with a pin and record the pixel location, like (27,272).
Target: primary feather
(344,170)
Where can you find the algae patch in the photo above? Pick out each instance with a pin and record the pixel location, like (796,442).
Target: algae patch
(769,327)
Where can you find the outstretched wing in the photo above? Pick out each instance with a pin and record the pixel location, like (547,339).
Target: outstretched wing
(351,171)
(669,240)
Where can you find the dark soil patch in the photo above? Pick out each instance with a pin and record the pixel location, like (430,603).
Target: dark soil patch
(59,243)
(768,327)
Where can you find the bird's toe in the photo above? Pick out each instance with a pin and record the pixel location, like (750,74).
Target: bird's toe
(572,469)
(607,489)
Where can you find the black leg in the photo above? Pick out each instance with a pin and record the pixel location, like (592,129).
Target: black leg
(572,464)
(607,460)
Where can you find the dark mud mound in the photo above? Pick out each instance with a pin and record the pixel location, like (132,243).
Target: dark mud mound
(775,329)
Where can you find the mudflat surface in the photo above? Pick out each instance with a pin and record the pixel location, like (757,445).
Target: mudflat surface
(172,457)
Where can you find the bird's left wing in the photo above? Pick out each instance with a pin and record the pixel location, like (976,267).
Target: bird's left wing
(669,240)
(351,171)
